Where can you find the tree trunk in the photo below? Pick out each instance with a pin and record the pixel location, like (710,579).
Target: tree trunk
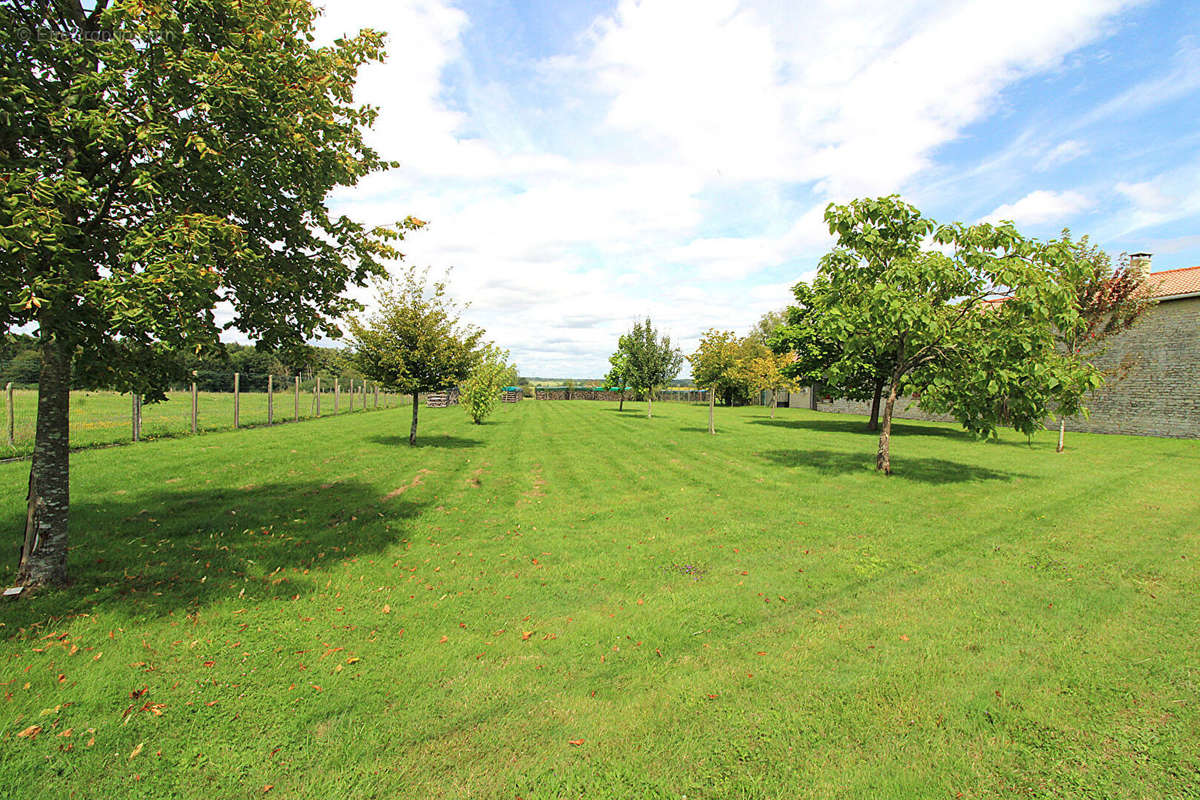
(883,458)
(873,425)
(774,403)
(621,407)
(44,551)
(412,434)
(711,403)
(649,403)
(1062,434)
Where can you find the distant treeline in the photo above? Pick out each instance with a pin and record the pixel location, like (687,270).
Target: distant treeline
(20,364)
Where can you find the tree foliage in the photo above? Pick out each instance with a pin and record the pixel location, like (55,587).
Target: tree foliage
(767,372)
(651,360)
(938,315)
(714,365)
(481,390)
(415,340)
(1108,299)
(159,159)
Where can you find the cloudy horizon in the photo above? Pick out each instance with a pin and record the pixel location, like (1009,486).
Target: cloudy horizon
(586,164)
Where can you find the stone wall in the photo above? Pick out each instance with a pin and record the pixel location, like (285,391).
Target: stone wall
(1155,393)
(1159,394)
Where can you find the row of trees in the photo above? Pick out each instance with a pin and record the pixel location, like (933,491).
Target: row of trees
(975,321)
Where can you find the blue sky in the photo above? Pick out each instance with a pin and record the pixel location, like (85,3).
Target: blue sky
(586,163)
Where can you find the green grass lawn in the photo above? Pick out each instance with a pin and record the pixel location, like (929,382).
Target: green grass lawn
(102,418)
(574,602)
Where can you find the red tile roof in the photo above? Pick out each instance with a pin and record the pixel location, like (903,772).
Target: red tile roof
(1174,282)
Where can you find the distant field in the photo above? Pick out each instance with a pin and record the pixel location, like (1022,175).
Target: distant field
(100,418)
(572,602)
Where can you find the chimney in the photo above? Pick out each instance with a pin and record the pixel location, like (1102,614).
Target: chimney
(1140,262)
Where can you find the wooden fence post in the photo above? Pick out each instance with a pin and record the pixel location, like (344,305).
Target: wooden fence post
(270,399)
(296,412)
(8,391)
(136,417)
(337,394)
(195,416)
(237,398)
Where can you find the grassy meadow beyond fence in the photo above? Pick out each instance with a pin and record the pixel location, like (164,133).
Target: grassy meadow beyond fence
(103,418)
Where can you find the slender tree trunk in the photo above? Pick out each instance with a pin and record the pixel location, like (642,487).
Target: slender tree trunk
(873,425)
(412,434)
(1062,434)
(621,407)
(649,403)
(774,403)
(44,551)
(883,458)
(711,403)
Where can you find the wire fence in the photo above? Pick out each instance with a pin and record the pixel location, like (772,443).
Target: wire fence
(99,418)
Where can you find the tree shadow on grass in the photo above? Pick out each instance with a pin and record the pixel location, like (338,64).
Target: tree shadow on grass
(151,553)
(925,470)
(859,426)
(439,440)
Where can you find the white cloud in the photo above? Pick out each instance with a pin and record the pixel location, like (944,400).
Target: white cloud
(1041,206)
(661,107)
(1061,153)
(1169,196)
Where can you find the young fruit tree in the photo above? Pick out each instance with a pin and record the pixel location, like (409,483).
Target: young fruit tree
(158,160)
(480,392)
(765,373)
(714,364)
(1109,300)
(617,376)
(415,340)
(939,316)
(652,361)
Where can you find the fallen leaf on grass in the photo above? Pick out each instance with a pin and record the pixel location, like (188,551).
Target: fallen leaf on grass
(443,640)
(136,750)
(387,609)
(30,733)
(903,638)
(353,660)
(525,636)
(575,742)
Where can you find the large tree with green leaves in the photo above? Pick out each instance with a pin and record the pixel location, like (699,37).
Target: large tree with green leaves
(714,364)
(652,360)
(159,159)
(415,340)
(937,314)
(879,232)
